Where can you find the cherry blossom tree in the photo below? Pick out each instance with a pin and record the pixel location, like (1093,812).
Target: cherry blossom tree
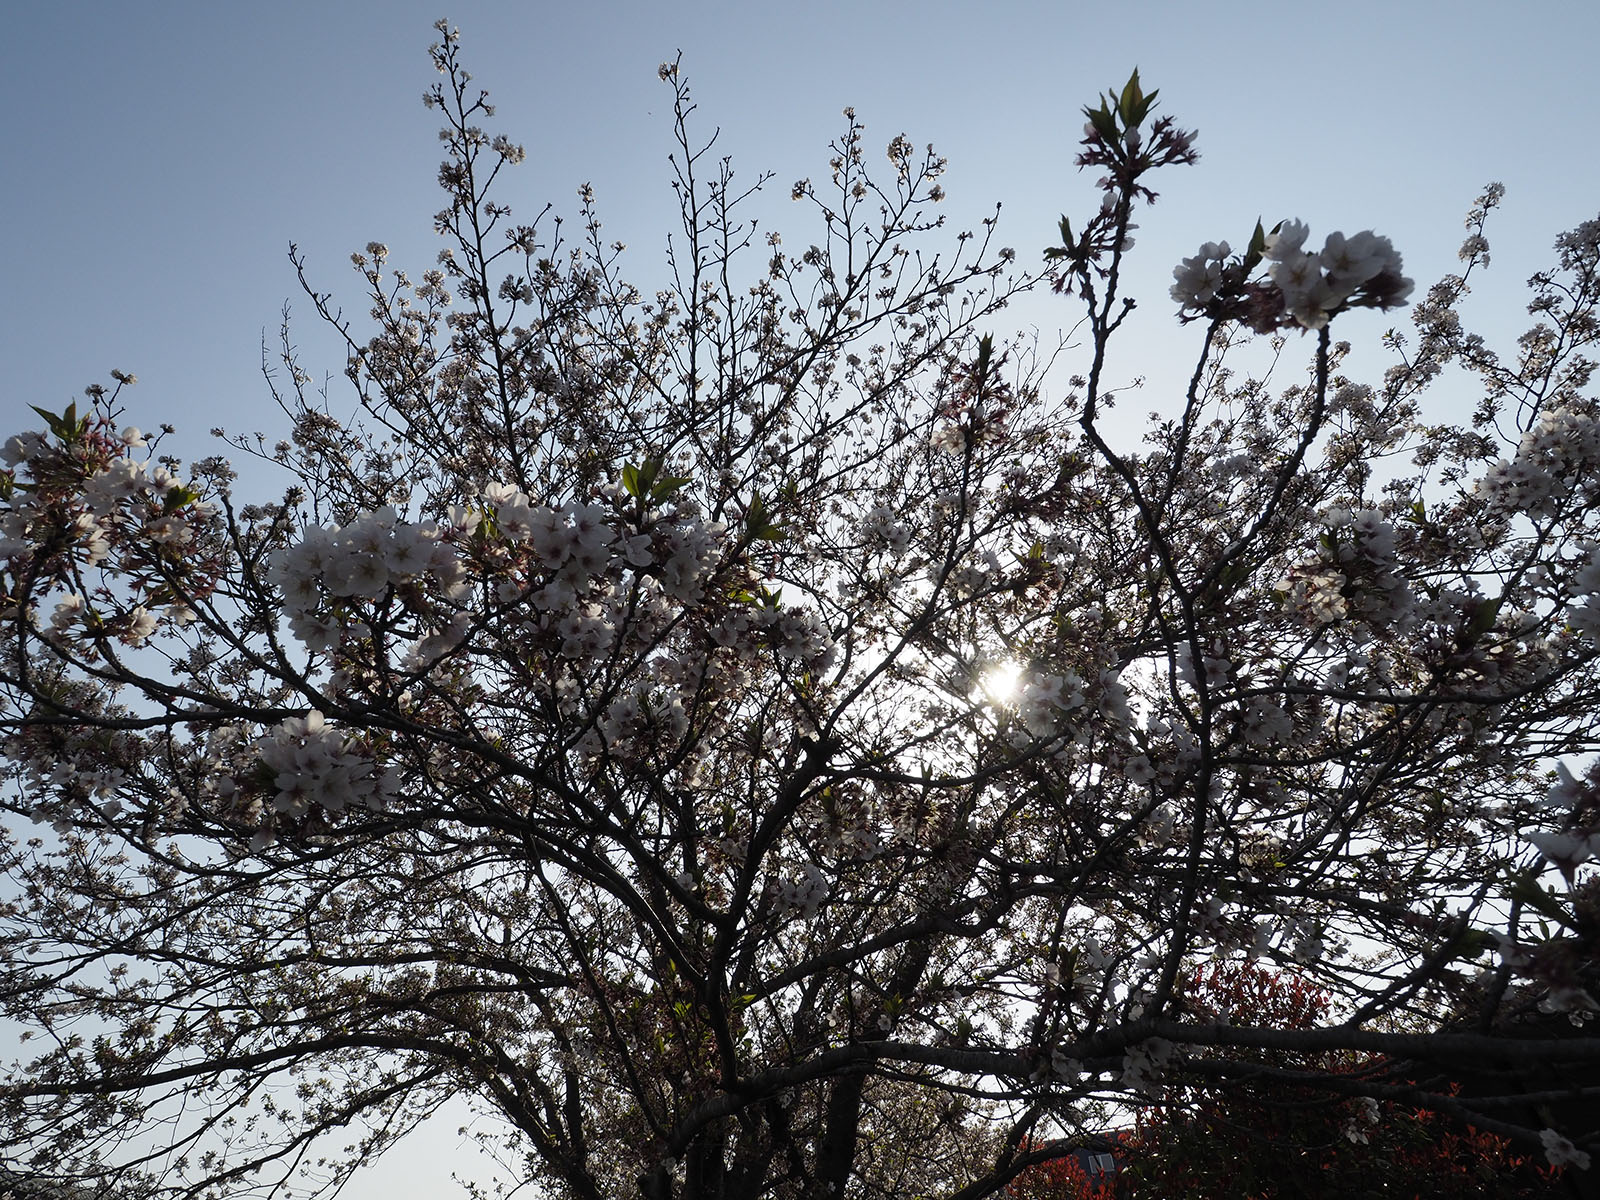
(774,737)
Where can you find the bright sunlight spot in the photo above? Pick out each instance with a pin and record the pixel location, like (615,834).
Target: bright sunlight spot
(1001,682)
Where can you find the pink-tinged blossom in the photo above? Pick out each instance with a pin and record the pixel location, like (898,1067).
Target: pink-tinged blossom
(882,531)
(1303,288)
(141,623)
(169,531)
(549,536)
(804,890)
(1352,262)
(360,561)
(1566,791)
(317,634)
(14,540)
(1199,277)
(93,544)
(410,550)
(1564,850)
(498,494)
(516,521)
(464,519)
(636,550)
(22,447)
(1138,770)
(1560,1152)
(1306,295)
(1285,241)
(312,763)
(70,611)
(1557,460)
(1044,700)
(120,480)
(590,530)
(358,575)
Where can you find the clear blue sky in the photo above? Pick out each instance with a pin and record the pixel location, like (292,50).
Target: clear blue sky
(161,156)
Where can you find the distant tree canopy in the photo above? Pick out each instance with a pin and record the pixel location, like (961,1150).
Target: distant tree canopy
(1255,1134)
(777,737)
(1270,1137)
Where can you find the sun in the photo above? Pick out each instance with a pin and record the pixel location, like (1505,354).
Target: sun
(1001,682)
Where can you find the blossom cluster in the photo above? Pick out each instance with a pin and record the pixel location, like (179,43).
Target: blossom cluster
(883,531)
(1357,576)
(1560,1152)
(1045,699)
(1557,459)
(1579,841)
(1200,278)
(89,504)
(1303,288)
(73,772)
(1583,614)
(314,764)
(577,543)
(358,561)
(572,541)
(641,715)
(590,585)
(803,890)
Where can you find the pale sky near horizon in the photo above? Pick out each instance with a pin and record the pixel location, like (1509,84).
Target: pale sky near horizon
(162,156)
